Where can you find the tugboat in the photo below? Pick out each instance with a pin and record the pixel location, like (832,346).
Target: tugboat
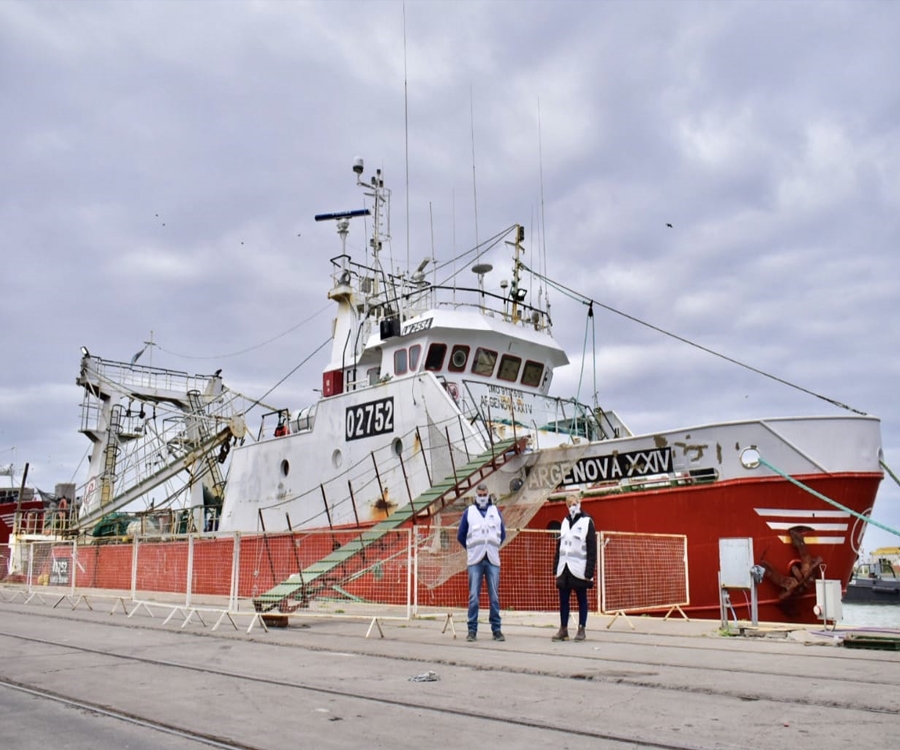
(874,582)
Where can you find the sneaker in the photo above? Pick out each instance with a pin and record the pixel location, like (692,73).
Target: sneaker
(498,636)
(579,636)
(561,635)
(471,636)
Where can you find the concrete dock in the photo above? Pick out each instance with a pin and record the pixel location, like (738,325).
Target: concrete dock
(97,678)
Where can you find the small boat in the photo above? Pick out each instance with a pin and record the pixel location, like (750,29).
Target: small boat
(874,582)
(16,499)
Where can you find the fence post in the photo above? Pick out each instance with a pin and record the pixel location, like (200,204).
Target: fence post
(29,568)
(72,566)
(235,572)
(189,584)
(134,567)
(409,568)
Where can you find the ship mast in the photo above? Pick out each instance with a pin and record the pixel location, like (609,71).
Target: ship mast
(517,294)
(356,300)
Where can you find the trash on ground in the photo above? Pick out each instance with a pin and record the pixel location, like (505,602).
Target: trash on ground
(428,676)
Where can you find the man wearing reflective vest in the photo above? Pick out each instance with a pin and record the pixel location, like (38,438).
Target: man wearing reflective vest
(482,532)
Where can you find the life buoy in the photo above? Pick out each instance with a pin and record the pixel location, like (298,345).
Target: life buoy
(453,390)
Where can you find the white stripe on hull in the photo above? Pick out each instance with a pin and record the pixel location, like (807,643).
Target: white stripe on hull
(814,526)
(786,513)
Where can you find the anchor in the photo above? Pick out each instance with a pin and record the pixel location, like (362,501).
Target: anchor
(802,571)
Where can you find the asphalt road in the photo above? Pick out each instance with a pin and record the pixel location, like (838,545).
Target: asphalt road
(101,680)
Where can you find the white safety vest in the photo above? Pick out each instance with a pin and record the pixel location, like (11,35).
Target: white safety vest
(484,535)
(573,546)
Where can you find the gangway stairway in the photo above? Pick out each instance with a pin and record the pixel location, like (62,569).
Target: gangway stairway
(302,587)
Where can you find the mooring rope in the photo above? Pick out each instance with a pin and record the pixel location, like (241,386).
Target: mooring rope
(828,500)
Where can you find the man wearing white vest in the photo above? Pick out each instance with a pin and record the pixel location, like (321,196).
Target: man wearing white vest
(481,532)
(574,566)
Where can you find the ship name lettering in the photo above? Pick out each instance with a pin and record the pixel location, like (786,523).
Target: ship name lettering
(506,399)
(620,466)
(547,476)
(372,418)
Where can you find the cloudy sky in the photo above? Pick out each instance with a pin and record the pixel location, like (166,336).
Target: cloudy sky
(161,164)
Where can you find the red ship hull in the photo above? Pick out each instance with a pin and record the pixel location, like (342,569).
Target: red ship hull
(762,509)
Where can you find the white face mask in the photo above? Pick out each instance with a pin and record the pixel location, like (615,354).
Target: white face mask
(482,501)
(574,510)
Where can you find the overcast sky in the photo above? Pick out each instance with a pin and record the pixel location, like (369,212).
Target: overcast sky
(161,164)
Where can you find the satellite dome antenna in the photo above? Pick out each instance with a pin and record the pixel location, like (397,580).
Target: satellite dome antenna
(481,269)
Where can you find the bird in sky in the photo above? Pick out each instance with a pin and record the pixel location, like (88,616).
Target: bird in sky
(668,225)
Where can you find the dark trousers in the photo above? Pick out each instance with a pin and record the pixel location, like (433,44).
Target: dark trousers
(564,596)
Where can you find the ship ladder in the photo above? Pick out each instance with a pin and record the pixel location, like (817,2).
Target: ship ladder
(300,588)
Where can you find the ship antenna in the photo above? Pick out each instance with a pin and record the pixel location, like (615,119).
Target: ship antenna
(545,292)
(474,185)
(433,264)
(453,213)
(406,131)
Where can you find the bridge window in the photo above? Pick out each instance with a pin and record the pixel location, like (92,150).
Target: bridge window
(483,362)
(531,374)
(509,368)
(435,358)
(400,365)
(415,353)
(458,358)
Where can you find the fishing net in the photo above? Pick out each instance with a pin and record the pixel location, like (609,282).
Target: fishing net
(440,556)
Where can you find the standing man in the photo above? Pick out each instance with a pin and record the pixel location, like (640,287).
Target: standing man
(481,532)
(574,566)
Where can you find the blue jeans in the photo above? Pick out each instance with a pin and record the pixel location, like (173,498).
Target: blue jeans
(484,569)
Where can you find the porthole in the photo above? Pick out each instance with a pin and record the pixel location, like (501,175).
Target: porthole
(337,458)
(285,468)
(397,446)
(458,358)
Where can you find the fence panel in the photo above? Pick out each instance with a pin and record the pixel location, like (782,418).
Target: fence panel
(643,572)
(380,574)
(104,566)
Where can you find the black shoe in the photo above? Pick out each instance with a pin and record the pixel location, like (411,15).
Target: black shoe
(498,636)
(471,636)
